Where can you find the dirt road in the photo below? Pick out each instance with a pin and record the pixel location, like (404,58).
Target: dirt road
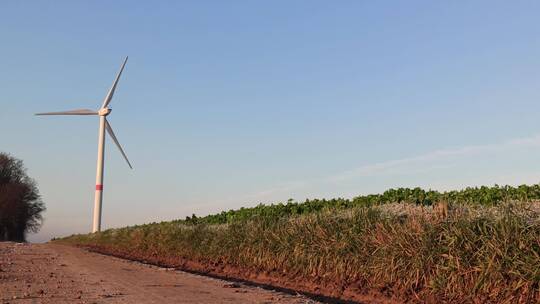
(47,273)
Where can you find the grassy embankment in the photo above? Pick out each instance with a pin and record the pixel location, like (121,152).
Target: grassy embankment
(475,250)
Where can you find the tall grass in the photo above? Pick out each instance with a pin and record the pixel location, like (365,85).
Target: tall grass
(468,254)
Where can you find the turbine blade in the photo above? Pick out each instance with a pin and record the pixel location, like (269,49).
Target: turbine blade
(111,90)
(111,133)
(71,112)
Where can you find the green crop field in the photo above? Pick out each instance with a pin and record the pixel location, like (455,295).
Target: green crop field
(478,245)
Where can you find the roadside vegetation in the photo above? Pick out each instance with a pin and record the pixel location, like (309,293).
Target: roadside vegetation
(478,245)
(20,203)
(483,196)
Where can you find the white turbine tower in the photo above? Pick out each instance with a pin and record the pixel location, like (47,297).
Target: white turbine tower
(103,125)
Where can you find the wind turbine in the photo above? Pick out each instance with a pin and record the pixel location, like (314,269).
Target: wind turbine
(103,112)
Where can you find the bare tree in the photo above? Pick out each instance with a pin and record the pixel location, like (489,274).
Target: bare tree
(20,203)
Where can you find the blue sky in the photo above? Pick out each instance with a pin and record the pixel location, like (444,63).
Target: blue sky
(230,103)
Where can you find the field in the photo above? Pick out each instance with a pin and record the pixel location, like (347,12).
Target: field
(478,245)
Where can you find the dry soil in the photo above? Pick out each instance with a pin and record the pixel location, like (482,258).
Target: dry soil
(51,273)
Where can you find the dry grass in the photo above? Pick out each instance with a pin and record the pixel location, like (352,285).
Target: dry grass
(448,253)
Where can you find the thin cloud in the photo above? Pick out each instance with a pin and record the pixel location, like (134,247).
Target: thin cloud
(435,160)
(394,166)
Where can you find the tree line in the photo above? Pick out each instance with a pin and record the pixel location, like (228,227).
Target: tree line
(20,202)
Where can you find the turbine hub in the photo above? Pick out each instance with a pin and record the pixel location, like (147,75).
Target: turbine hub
(104,112)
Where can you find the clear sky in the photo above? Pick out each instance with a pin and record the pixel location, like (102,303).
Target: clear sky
(226,104)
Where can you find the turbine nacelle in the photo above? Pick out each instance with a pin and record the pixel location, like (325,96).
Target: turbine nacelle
(104,112)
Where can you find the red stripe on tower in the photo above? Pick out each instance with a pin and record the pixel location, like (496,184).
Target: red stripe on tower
(99,187)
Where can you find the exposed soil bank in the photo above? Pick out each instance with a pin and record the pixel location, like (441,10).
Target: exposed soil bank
(326,291)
